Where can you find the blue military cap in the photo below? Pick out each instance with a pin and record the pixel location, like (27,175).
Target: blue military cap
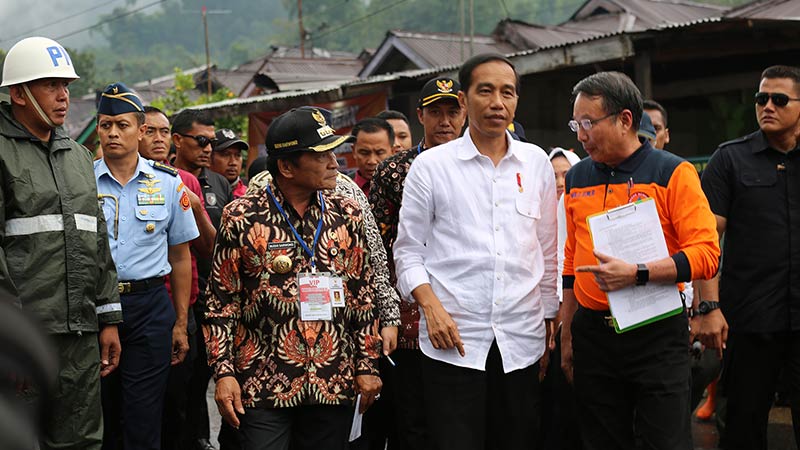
(118,99)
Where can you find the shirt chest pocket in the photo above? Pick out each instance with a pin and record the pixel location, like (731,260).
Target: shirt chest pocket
(759,178)
(529,206)
(150,221)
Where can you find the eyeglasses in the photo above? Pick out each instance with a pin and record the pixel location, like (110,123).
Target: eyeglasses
(762,98)
(202,141)
(587,124)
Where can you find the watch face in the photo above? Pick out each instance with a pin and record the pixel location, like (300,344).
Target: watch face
(704,308)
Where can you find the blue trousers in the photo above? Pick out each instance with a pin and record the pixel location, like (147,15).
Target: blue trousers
(133,395)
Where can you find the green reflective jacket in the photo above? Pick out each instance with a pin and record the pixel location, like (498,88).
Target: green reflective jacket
(54,258)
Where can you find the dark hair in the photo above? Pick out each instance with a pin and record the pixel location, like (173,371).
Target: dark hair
(185,120)
(652,104)
(391,114)
(256,167)
(373,125)
(152,109)
(790,72)
(617,92)
(465,74)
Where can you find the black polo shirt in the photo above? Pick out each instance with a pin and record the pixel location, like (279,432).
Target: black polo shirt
(217,193)
(757,189)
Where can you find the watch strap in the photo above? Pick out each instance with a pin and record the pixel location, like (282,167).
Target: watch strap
(642,274)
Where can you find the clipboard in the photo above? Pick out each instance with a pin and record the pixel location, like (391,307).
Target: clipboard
(633,233)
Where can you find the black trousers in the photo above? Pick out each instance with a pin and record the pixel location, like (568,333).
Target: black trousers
(315,427)
(559,411)
(197,417)
(409,402)
(752,364)
(378,423)
(133,395)
(632,386)
(470,409)
(175,431)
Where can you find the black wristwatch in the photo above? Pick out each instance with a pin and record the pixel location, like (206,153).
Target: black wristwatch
(706,306)
(642,274)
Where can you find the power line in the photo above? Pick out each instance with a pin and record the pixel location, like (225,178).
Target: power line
(56,22)
(354,21)
(110,19)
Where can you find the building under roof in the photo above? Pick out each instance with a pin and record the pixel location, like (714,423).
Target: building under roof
(704,69)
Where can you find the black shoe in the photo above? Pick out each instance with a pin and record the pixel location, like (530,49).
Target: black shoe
(205,444)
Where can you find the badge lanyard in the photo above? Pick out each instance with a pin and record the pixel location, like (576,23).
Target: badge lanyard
(297,236)
(419,147)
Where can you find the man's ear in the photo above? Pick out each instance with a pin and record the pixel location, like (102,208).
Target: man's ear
(462,100)
(286,168)
(17,95)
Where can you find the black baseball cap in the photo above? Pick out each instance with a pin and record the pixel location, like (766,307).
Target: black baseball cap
(226,138)
(303,129)
(441,88)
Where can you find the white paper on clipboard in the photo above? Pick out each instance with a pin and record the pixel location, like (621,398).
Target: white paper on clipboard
(633,234)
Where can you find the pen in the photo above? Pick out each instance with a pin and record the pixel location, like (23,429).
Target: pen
(519,182)
(390,361)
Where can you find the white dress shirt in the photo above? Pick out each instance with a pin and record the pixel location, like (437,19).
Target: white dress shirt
(484,237)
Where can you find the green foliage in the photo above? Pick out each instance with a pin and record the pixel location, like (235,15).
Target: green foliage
(84,62)
(179,98)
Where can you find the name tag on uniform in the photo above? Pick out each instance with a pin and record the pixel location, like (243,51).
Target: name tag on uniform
(280,245)
(337,292)
(150,199)
(314,292)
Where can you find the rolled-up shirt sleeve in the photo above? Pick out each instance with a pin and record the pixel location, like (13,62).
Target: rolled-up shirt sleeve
(414,228)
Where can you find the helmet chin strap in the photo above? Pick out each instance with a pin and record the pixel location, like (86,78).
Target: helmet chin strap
(36,106)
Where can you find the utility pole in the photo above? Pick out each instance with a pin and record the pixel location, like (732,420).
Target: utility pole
(208,53)
(471,27)
(204,12)
(302,30)
(461,19)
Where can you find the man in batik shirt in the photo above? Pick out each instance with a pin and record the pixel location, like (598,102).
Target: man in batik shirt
(292,332)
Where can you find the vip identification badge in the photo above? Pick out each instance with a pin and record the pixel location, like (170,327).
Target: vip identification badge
(314,292)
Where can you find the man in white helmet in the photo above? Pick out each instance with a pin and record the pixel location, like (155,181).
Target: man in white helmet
(54,255)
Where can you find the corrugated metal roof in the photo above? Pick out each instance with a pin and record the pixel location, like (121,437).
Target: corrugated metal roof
(768,9)
(444,48)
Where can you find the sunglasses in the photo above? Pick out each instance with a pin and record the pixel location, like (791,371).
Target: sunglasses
(202,141)
(762,98)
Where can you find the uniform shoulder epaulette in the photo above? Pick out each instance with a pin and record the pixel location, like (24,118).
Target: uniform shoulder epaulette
(165,168)
(738,140)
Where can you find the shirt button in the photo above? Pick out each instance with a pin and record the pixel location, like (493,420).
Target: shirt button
(123,218)
(499,253)
(122,242)
(494,180)
(497,228)
(498,277)
(496,204)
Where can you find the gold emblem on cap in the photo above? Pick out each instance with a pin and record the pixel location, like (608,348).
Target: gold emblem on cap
(150,227)
(318,117)
(282,264)
(114,89)
(445,86)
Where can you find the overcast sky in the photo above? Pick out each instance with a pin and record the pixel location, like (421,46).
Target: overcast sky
(56,18)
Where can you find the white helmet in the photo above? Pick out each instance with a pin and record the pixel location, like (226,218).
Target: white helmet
(35,58)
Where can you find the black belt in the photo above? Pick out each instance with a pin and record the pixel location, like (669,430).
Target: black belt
(604,315)
(130,287)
